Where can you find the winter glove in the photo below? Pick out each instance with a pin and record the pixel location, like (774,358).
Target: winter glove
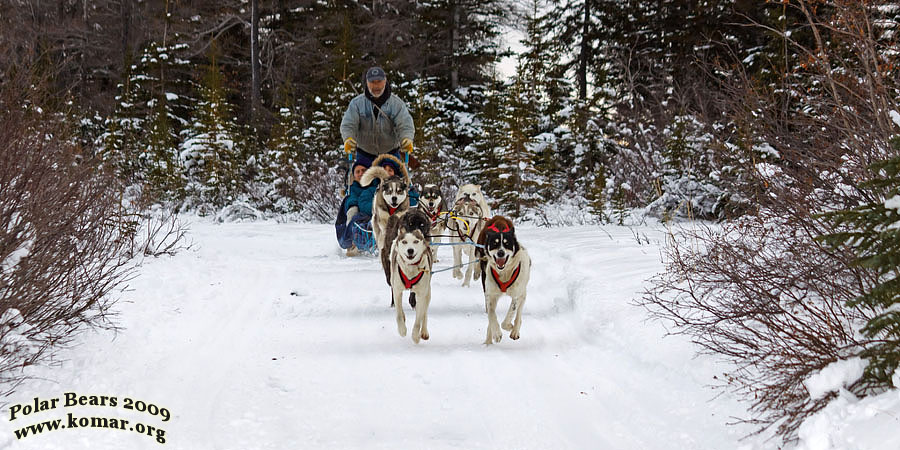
(349,145)
(353,211)
(406,145)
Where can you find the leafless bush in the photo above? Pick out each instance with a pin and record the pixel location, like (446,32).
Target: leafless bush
(768,298)
(63,248)
(761,291)
(312,192)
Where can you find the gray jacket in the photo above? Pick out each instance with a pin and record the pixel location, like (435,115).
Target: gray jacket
(381,136)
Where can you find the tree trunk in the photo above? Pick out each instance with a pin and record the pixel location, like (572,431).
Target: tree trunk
(125,10)
(454,46)
(254,57)
(585,52)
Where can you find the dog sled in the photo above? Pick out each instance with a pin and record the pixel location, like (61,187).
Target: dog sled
(357,232)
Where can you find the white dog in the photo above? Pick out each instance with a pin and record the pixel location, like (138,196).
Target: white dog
(409,268)
(465,224)
(505,269)
(469,208)
(473,192)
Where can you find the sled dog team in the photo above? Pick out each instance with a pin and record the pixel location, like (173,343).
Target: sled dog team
(403,236)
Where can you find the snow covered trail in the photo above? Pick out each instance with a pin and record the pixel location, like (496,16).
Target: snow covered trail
(266,337)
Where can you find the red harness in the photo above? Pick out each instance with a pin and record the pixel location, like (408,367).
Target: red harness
(391,211)
(504,286)
(409,283)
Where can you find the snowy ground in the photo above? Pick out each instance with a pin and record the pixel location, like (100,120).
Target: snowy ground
(265,336)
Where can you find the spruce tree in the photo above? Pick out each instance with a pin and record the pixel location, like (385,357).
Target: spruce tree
(211,151)
(872,231)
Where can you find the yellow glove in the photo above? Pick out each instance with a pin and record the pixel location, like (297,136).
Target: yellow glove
(406,145)
(349,145)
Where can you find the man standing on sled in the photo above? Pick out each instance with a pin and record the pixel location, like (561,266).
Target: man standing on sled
(376,122)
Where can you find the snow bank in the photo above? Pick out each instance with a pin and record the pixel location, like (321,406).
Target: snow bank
(850,423)
(835,376)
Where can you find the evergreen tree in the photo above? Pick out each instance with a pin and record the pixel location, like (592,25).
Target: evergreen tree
(142,137)
(458,39)
(211,151)
(872,232)
(120,143)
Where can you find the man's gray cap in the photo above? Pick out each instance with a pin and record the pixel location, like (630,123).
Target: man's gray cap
(375,74)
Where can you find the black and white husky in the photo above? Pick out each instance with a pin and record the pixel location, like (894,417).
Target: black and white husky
(407,266)
(431,202)
(391,197)
(505,269)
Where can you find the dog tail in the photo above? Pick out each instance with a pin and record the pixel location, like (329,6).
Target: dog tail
(372,173)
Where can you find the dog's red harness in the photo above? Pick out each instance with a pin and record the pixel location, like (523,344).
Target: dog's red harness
(391,211)
(409,283)
(504,286)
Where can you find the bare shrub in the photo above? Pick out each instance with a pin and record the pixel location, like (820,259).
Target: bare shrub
(311,191)
(762,291)
(63,247)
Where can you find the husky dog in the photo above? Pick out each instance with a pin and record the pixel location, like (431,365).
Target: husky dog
(505,269)
(391,197)
(473,192)
(465,224)
(431,202)
(407,267)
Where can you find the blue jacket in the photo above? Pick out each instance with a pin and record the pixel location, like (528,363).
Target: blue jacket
(362,197)
(381,135)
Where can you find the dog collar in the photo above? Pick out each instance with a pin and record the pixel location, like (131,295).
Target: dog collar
(391,211)
(503,286)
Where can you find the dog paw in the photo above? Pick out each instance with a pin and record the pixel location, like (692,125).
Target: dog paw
(497,336)
(514,335)
(506,326)
(425,336)
(401,328)
(457,274)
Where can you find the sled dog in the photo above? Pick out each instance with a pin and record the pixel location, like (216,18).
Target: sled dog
(391,197)
(431,202)
(407,266)
(465,224)
(473,192)
(505,269)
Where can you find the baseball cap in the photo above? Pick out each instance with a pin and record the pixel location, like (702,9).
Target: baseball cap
(375,74)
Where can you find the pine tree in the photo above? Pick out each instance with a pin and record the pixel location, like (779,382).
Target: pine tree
(120,144)
(518,184)
(432,126)
(211,151)
(872,232)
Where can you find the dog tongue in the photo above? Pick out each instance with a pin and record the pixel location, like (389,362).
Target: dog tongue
(501,262)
